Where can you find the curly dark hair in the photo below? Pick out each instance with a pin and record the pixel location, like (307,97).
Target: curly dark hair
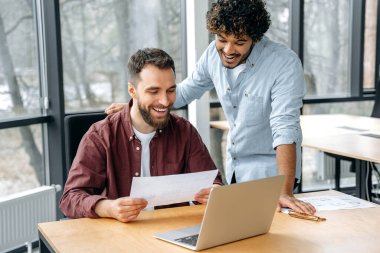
(239,17)
(154,56)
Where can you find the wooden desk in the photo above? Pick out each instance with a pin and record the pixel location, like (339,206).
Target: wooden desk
(340,135)
(355,230)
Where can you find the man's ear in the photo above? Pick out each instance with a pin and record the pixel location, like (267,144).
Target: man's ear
(131,90)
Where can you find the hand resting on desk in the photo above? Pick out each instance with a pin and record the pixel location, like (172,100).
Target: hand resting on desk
(122,209)
(297,205)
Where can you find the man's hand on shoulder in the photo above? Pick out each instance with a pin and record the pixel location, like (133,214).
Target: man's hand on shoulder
(122,209)
(115,107)
(295,204)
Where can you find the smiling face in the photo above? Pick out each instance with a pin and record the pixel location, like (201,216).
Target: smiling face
(232,50)
(153,98)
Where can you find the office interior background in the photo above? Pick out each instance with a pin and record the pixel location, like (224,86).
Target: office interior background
(67,57)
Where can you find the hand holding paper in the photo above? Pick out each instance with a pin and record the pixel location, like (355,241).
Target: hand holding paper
(165,190)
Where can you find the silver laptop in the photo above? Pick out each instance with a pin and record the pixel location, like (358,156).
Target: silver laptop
(233,212)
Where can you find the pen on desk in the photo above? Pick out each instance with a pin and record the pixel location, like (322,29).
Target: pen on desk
(304,216)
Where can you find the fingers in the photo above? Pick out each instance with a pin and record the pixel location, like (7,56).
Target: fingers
(296,205)
(114,107)
(203,195)
(127,201)
(127,209)
(305,207)
(278,208)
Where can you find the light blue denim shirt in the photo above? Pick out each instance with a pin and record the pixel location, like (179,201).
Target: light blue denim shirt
(262,108)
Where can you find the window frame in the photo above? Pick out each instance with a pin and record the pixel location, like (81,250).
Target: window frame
(357,23)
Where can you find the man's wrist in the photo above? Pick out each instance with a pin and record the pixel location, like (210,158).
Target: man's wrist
(101,208)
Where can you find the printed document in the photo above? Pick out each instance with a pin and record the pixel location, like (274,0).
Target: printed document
(323,203)
(165,190)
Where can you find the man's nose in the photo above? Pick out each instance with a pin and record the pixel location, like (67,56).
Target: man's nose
(164,100)
(228,48)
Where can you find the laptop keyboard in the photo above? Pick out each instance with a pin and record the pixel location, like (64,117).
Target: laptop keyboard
(191,240)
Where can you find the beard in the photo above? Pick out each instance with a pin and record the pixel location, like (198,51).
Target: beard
(147,117)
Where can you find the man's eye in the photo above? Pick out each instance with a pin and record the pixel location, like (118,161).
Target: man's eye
(222,40)
(152,91)
(171,90)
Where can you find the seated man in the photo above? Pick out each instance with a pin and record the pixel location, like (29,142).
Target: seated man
(143,139)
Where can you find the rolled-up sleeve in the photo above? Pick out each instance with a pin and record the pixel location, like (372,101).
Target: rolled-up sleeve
(287,94)
(86,180)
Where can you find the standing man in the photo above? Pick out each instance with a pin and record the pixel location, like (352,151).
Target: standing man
(143,139)
(260,85)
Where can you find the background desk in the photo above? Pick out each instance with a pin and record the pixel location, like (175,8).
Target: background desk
(355,230)
(340,135)
(345,136)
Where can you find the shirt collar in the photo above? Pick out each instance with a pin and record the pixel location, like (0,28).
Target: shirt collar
(127,122)
(256,51)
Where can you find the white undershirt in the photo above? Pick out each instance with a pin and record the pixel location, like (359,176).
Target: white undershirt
(145,151)
(234,73)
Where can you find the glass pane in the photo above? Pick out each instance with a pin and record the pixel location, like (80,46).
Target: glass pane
(21,164)
(362,108)
(99,36)
(19,80)
(279,14)
(327,47)
(318,170)
(370,44)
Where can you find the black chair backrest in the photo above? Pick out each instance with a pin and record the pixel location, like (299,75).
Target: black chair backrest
(376,107)
(76,126)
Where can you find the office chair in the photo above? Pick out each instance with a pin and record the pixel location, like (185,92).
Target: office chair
(75,127)
(376,106)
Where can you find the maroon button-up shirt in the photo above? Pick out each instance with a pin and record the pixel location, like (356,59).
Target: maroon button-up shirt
(109,156)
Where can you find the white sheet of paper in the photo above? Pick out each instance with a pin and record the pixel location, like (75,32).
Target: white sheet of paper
(165,190)
(323,203)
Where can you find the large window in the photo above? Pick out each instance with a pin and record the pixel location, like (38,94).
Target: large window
(21,153)
(99,36)
(279,15)
(327,47)
(21,164)
(369,65)
(19,79)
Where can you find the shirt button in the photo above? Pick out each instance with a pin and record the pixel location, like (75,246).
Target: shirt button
(234,124)
(235,106)
(234,158)
(137,148)
(160,130)
(233,143)
(137,174)
(131,137)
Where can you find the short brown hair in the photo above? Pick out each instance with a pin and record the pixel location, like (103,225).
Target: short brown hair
(142,57)
(239,18)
